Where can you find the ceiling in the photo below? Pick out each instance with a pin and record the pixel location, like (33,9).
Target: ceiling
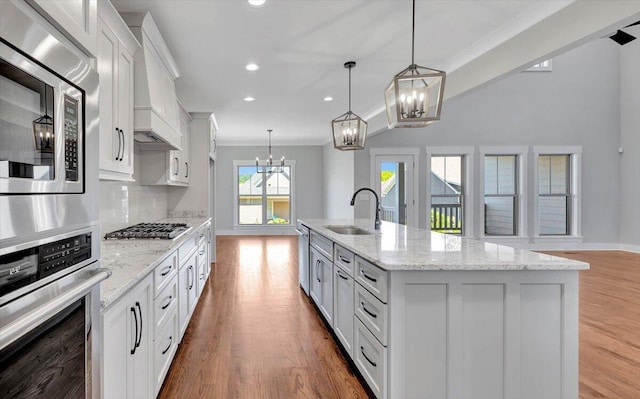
(301,46)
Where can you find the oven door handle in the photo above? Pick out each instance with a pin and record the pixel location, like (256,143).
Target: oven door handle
(12,331)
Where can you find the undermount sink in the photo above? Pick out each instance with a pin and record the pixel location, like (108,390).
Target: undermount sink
(348,230)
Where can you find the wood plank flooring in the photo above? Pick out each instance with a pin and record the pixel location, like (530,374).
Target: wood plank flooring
(609,324)
(255,335)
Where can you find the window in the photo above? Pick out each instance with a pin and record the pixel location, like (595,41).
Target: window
(554,194)
(501,195)
(263,198)
(447,193)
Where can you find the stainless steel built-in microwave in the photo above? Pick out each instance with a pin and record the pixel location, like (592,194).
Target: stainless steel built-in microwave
(42,128)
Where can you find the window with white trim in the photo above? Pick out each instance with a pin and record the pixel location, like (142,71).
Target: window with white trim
(450,189)
(554,194)
(263,197)
(501,195)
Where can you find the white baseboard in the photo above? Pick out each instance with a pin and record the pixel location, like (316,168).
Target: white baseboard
(630,248)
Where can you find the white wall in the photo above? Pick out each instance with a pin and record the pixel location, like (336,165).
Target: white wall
(309,178)
(125,204)
(576,104)
(195,198)
(630,141)
(338,183)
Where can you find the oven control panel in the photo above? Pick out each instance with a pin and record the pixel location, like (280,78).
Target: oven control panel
(70,138)
(19,269)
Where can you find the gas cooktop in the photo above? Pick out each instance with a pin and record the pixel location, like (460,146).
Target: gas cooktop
(165,231)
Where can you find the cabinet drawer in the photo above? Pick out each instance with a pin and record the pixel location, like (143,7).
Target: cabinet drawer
(372,278)
(372,313)
(188,247)
(371,359)
(164,348)
(344,258)
(164,306)
(322,244)
(164,272)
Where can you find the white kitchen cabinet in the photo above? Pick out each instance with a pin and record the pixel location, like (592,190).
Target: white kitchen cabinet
(343,294)
(127,344)
(77,19)
(315,286)
(187,291)
(322,271)
(116,46)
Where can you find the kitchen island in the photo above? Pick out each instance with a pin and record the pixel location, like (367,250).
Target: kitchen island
(429,315)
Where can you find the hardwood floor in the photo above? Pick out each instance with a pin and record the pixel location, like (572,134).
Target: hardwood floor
(254,333)
(609,324)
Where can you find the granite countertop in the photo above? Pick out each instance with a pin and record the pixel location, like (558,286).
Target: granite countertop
(399,247)
(131,260)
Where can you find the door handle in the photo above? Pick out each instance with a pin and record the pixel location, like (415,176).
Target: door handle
(135,316)
(193,277)
(119,144)
(186,164)
(317,275)
(140,311)
(177,166)
(124,143)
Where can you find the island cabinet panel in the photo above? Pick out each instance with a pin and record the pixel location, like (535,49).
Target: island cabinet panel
(478,334)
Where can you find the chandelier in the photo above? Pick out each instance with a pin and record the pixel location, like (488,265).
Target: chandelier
(414,96)
(349,130)
(267,166)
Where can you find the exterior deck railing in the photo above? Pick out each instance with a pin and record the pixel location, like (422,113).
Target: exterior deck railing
(446,218)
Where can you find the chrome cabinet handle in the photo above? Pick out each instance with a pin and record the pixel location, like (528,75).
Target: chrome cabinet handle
(317,275)
(135,343)
(341,276)
(193,278)
(345,260)
(170,297)
(168,270)
(124,142)
(140,311)
(119,144)
(365,275)
(367,357)
(170,342)
(367,311)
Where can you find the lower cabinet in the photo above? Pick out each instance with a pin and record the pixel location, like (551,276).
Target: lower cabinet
(315,286)
(127,344)
(164,348)
(343,308)
(371,359)
(187,291)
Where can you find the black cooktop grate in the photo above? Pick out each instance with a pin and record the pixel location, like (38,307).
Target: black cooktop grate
(164,231)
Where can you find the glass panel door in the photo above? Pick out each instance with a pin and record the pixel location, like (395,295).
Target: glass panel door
(394,185)
(27,136)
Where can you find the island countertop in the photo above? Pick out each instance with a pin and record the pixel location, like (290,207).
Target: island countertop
(131,260)
(399,247)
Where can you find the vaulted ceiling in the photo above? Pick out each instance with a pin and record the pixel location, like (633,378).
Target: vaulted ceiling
(301,46)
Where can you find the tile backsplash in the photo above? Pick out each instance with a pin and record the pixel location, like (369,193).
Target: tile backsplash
(124,204)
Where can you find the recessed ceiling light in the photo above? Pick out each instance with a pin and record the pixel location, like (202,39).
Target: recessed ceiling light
(256,2)
(252,67)
(328,98)
(249,99)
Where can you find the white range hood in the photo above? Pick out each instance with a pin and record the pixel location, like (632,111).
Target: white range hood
(155,122)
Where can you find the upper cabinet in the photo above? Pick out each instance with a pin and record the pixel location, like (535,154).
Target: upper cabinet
(116,49)
(77,19)
(213,132)
(156,123)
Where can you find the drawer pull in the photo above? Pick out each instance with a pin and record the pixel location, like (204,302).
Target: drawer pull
(341,275)
(367,357)
(167,271)
(202,277)
(365,275)
(202,253)
(375,316)
(168,303)
(171,339)
(345,260)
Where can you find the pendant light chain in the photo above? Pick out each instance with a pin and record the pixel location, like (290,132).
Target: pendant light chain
(413,33)
(350,89)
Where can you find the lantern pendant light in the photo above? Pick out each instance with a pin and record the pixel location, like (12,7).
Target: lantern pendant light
(349,130)
(43,135)
(267,166)
(414,96)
